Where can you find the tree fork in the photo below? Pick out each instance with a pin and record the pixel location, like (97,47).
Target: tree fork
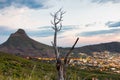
(61,66)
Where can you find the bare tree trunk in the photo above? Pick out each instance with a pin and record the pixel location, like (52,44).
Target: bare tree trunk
(60,73)
(61,68)
(60,65)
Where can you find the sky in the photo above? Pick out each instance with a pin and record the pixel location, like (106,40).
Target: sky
(93,21)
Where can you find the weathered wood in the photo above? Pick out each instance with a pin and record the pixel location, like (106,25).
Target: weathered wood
(61,66)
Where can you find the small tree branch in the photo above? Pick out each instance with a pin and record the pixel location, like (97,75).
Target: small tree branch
(67,55)
(52,22)
(60,17)
(57,19)
(52,15)
(56,51)
(57,25)
(60,27)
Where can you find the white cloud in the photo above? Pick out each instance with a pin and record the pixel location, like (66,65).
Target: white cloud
(78,12)
(106,1)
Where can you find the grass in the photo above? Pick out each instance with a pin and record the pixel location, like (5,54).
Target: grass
(17,68)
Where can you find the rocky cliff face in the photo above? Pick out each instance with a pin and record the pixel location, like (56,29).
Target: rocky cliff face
(19,43)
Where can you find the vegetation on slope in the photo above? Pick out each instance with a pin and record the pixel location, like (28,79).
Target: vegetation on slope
(16,68)
(111,47)
(20,44)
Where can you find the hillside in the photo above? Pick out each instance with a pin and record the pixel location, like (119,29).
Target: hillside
(20,44)
(17,68)
(113,47)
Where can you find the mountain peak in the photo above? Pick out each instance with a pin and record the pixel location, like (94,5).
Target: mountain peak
(19,43)
(20,31)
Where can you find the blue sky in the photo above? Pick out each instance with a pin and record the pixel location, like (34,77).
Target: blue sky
(93,21)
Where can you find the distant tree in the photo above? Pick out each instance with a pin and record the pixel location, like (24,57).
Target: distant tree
(61,66)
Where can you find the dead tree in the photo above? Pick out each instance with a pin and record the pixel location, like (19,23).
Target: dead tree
(61,66)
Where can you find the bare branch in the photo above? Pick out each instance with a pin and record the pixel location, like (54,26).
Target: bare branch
(67,55)
(52,22)
(57,25)
(53,28)
(51,14)
(56,51)
(60,26)
(57,19)
(60,10)
(60,17)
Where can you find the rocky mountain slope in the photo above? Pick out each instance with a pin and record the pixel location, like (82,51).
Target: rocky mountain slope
(20,44)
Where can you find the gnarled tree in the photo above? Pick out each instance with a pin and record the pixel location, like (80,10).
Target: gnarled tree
(61,66)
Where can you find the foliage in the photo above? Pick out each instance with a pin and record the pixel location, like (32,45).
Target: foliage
(17,68)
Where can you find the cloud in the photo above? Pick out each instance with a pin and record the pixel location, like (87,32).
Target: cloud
(63,29)
(113,24)
(32,4)
(106,1)
(90,24)
(41,33)
(5,31)
(47,31)
(69,27)
(100,32)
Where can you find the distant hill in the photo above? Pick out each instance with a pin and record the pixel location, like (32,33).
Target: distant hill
(111,47)
(20,44)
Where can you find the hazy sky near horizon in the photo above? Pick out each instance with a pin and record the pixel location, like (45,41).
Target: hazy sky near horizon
(93,21)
